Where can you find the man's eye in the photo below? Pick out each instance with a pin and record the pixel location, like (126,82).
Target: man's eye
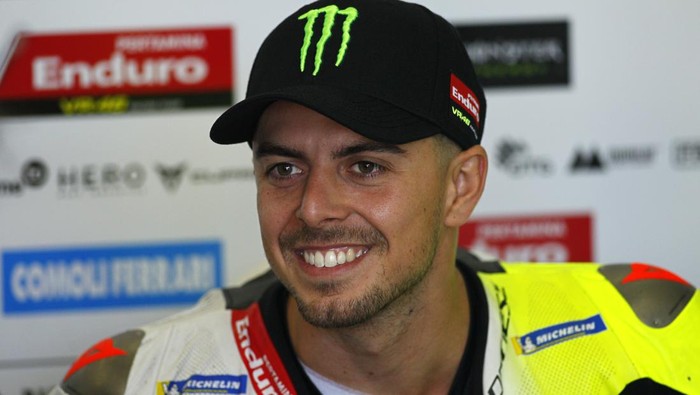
(283,170)
(367,168)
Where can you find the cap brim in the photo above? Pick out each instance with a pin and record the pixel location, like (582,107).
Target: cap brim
(373,118)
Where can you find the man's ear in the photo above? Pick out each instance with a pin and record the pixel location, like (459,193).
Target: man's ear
(467,178)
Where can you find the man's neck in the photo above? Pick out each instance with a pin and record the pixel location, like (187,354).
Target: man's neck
(413,346)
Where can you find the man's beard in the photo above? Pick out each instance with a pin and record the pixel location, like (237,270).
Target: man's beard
(344,313)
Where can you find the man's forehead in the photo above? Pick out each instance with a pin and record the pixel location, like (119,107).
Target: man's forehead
(292,122)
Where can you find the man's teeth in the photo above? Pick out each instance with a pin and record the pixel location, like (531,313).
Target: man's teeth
(332,258)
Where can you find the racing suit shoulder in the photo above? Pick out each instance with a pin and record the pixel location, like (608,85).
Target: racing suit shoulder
(123,363)
(108,361)
(617,326)
(105,368)
(657,296)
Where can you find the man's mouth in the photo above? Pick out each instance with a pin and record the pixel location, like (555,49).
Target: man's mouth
(332,257)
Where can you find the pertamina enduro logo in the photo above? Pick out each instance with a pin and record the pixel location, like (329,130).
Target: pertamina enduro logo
(264,366)
(531,238)
(330,12)
(467,101)
(116,72)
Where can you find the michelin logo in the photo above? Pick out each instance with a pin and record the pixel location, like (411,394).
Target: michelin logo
(555,334)
(205,385)
(112,276)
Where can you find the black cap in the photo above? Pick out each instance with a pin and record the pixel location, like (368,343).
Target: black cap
(389,70)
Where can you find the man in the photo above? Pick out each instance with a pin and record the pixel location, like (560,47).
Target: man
(365,120)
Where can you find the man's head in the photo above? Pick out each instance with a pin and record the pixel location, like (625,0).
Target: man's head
(365,120)
(351,225)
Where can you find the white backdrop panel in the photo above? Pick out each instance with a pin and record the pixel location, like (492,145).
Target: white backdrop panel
(634,85)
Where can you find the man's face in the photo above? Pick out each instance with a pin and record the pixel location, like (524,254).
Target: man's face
(349,225)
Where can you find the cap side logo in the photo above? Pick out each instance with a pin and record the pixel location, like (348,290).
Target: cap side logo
(328,21)
(465,98)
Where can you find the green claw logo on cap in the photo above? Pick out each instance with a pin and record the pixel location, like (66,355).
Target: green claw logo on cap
(331,11)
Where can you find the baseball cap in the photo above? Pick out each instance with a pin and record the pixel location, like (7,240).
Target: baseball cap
(392,71)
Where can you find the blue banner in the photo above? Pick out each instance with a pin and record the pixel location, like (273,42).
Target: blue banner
(99,277)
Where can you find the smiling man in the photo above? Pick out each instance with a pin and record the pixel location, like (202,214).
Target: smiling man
(362,234)
(365,120)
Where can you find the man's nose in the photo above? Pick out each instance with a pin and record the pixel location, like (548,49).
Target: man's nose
(324,199)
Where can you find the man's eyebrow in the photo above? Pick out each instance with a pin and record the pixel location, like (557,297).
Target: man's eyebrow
(369,146)
(271,149)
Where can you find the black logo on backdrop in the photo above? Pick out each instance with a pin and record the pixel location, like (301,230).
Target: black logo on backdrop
(173,176)
(99,180)
(686,154)
(596,160)
(514,157)
(587,160)
(519,54)
(34,174)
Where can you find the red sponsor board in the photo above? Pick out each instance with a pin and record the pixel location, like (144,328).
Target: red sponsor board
(546,238)
(107,72)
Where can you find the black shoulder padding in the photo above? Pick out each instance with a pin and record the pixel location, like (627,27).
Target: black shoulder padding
(480,266)
(243,296)
(647,386)
(104,368)
(656,296)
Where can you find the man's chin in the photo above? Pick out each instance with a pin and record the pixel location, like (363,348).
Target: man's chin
(332,317)
(340,310)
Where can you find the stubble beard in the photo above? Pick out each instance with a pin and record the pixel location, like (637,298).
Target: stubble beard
(338,311)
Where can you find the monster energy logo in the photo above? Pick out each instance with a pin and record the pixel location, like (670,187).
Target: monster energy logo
(329,20)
